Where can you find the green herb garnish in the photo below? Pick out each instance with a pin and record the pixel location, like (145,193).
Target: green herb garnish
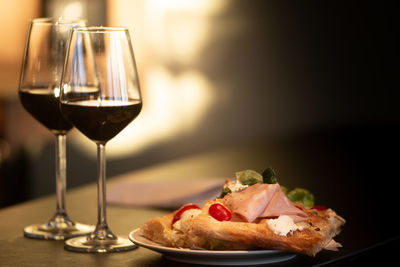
(284,189)
(224,192)
(249,177)
(269,176)
(302,196)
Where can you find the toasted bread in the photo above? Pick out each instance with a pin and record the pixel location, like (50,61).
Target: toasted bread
(203,231)
(160,230)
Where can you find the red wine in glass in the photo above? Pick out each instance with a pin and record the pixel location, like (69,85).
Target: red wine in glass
(43,105)
(39,91)
(101,121)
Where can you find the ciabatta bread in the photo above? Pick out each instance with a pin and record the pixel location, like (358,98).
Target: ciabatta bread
(203,231)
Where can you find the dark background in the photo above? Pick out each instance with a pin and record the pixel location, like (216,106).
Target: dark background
(314,78)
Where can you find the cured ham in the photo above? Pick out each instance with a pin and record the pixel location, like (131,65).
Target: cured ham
(261,201)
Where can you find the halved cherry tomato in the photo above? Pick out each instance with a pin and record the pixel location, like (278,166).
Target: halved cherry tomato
(179,213)
(319,207)
(219,212)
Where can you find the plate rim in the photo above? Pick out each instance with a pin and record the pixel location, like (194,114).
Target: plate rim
(213,256)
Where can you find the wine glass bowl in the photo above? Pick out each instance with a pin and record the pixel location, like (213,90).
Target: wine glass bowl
(39,91)
(100,96)
(44,55)
(100,122)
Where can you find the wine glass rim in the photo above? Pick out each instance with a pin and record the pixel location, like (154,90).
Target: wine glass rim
(60,20)
(100,29)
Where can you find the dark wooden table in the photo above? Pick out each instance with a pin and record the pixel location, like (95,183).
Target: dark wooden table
(332,170)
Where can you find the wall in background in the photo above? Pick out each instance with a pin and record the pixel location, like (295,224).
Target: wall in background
(224,73)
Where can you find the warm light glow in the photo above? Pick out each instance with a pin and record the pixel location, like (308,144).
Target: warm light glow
(56,91)
(67,10)
(164,33)
(14,21)
(73,10)
(198,6)
(174,106)
(180,25)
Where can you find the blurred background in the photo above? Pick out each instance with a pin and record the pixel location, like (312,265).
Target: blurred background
(218,73)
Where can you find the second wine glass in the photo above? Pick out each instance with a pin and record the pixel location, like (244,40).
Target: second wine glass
(39,91)
(100,96)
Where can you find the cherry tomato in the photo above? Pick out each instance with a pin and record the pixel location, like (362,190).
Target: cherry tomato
(320,208)
(219,212)
(179,213)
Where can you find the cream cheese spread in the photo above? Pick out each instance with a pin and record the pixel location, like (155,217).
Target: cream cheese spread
(283,225)
(183,223)
(236,186)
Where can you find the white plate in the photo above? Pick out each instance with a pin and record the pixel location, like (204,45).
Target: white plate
(231,257)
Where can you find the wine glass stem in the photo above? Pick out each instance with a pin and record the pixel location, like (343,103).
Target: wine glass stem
(61,174)
(102,232)
(101,187)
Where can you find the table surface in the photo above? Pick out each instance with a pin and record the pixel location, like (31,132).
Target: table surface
(296,166)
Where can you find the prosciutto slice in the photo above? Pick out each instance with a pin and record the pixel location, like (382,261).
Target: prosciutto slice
(260,201)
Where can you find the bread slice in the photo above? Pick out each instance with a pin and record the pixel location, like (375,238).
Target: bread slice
(203,231)
(318,231)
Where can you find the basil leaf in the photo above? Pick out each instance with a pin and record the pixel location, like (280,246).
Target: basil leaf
(269,176)
(302,196)
(249,177)
(308,200)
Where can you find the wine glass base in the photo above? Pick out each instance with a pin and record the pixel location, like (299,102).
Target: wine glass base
(46,231)
(82,244)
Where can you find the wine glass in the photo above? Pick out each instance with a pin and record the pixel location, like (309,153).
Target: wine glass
(100,96)
(39,91)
